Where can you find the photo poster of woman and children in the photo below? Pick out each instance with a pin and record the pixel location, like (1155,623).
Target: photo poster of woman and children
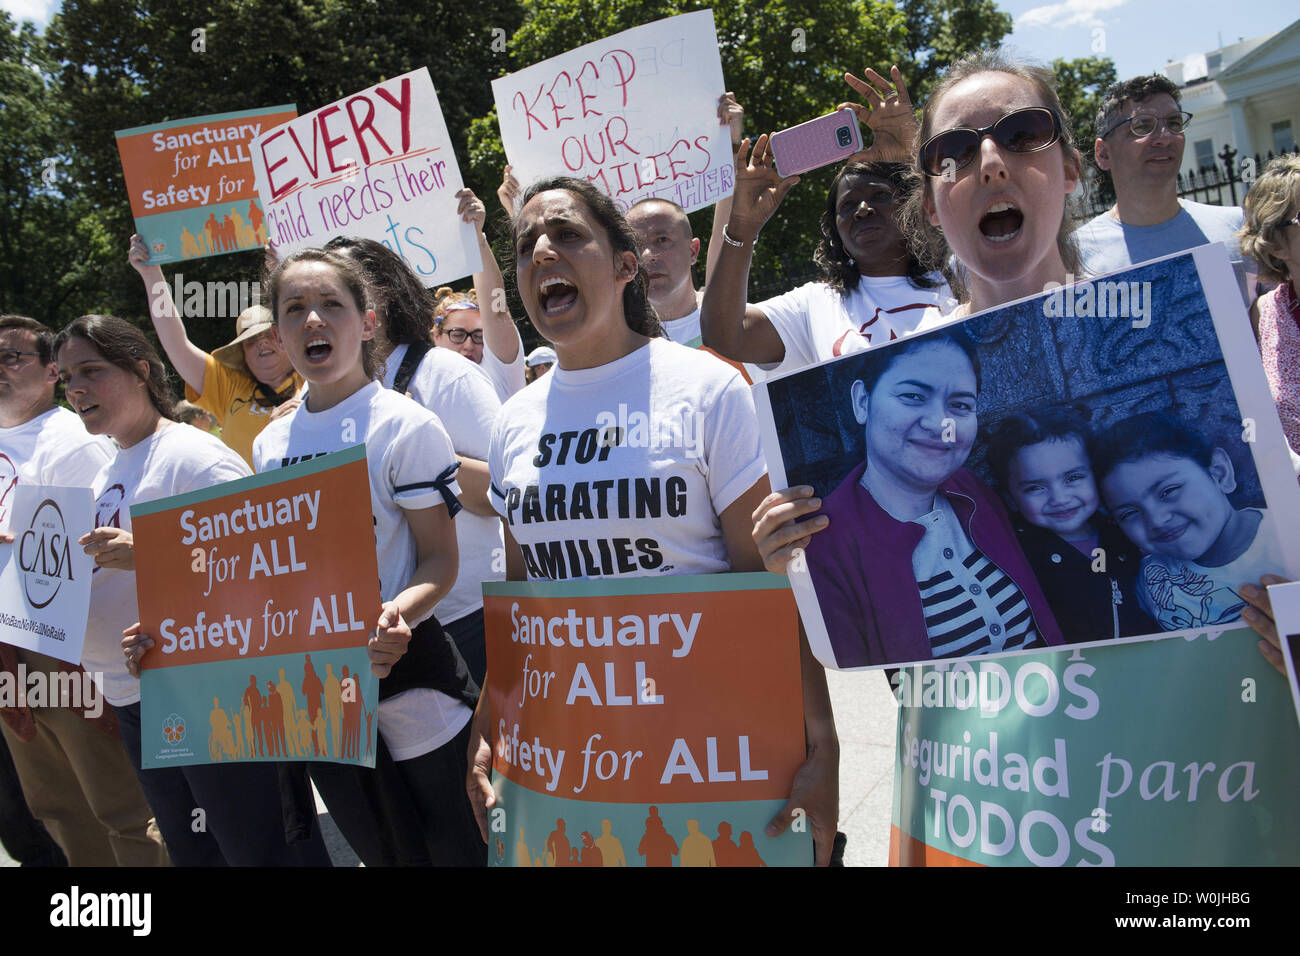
(1099,463)
(1117,470)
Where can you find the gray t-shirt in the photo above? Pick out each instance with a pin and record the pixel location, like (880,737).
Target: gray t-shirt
(1109,246)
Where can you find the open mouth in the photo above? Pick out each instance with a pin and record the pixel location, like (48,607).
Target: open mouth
(556,295)
(1002,222)
(318,350)
(85,410)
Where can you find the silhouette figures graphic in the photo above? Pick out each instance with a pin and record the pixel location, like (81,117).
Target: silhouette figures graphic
(657,845)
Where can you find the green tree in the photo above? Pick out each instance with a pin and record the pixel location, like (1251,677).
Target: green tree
(785,60)
(48,232)
(127,63)
(1081,84)
(941,31)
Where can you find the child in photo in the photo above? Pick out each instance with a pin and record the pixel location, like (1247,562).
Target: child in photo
(1084,563)
(1167,488)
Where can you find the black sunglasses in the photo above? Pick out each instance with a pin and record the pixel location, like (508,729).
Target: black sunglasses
(1020,131)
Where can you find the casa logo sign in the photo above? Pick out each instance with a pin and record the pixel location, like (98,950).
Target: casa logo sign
(45,555)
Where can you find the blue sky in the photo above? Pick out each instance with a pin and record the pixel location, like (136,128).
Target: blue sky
(1139,35)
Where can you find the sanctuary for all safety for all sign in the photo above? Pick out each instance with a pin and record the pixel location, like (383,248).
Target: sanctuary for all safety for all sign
(644,722)
(260,595)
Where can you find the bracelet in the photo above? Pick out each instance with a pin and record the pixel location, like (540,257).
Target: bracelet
(726,237)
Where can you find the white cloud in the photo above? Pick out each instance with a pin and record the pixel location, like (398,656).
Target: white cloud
(1071,13)
(37,10)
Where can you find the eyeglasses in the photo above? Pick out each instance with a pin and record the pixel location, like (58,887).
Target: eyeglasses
(12,358)
(1144,124)
(458,336)
(1020,131)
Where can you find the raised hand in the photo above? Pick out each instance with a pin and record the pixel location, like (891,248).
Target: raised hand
(888,114)
(731,113)
(759,190)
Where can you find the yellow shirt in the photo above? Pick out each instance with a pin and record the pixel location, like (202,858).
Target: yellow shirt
(231,397)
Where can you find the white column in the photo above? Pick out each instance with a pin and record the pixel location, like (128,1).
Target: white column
(1241,140)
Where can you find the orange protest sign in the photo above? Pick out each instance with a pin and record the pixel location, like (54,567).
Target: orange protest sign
(272,573)
(609,697)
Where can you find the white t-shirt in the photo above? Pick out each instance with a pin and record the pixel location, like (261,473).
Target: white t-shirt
(623,470)
(53,448)
(407,450)
(463,398)
(684,331)
(173,461)
(507,379)
(816,323)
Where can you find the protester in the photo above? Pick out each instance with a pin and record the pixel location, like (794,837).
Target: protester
(244,384)
(584,290)
(668,249)
(323,318)
(539,362)
(461,395)
(1001,207)
(115,381)
(1271,237)
(187,413)
(458,320)
(77,778)
(875,286)
(1140,139)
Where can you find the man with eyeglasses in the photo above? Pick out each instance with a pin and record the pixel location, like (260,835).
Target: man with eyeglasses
(1140,140)
(74,772)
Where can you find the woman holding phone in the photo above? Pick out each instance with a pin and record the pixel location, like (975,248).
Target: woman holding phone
(875,286)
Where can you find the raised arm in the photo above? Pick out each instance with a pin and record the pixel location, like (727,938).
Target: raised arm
(189,360)
(730,326)
(889,115)
(730,114)
(499,332)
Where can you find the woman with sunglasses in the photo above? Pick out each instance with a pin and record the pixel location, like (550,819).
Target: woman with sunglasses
(458,321)
(1001,206)
(244,384)
(874,284)
(1271,237)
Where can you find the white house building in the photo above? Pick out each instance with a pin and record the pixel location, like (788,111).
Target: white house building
(1246,94)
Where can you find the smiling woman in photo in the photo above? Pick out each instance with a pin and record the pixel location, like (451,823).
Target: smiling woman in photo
(968,588)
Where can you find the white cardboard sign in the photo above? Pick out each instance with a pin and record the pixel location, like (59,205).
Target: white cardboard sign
(636,113)
(45,583)
(377,165)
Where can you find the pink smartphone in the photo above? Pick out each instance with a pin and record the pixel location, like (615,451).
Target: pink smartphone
(819,142)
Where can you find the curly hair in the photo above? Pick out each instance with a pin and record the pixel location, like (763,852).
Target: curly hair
(1272,202)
